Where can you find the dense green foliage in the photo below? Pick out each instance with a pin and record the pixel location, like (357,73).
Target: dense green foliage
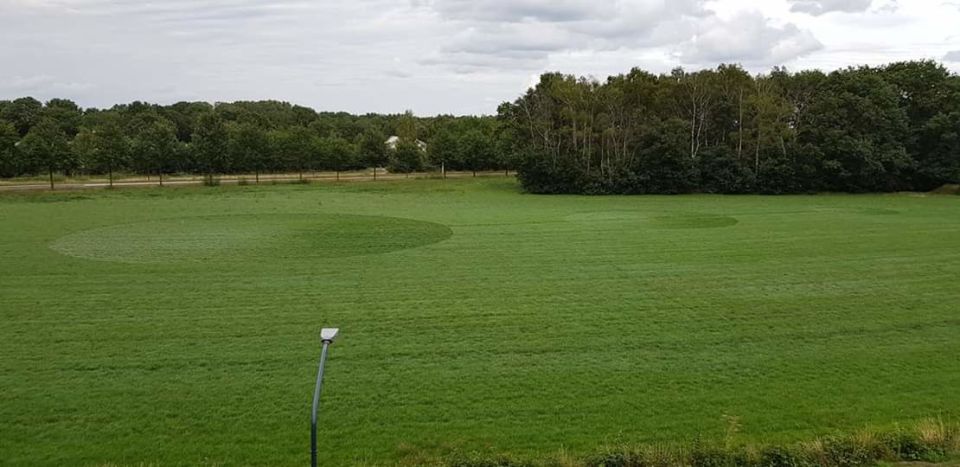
(724,131)
(239,137)
(891,128)
(179,327)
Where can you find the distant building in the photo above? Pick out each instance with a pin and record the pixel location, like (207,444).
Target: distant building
(393,141)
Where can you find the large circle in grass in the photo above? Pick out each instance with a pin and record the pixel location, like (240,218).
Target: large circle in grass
(692,221)
(261,237)
(680,220)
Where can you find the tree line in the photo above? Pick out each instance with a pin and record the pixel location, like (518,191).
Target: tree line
(723,130)
(241,137)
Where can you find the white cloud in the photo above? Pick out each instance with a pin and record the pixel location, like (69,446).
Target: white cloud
(748,38)
(891,6)
(432,56)
(497,32)
(513,11)
(819,7)
(23,85)
(952,56)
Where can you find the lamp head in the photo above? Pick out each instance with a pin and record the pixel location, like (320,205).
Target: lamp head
(328,334)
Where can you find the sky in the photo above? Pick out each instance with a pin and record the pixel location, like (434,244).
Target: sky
(432,56)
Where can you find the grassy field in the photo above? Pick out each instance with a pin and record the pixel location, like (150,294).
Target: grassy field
(179,326)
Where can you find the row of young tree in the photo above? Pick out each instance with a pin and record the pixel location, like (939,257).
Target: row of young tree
(889,128)
(240,137)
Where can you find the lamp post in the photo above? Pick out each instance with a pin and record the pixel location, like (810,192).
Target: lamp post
(326,338)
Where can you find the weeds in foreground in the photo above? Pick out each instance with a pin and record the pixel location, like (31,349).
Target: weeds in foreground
(927,441)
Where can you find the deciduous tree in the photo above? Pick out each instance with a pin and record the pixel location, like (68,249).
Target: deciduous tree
(46,145)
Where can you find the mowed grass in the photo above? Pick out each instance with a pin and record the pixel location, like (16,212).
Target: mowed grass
(179,326)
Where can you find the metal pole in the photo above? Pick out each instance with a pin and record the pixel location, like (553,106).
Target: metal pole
(316,405)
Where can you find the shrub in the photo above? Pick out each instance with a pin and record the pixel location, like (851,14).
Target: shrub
(406,158)
(779,456)
(476,459)
(928,441)
(612,459)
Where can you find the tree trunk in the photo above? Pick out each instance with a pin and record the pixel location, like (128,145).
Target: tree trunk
(603,157)
(160,176)
(110,175)
(740,129)
(374,173)
(257,172)
(589,136)
(700,128)
(693,125)
(574,134)
(756,161)
(51,179)
(625,150)
(338,175)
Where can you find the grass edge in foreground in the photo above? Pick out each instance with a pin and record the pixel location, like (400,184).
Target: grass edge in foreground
(929,441)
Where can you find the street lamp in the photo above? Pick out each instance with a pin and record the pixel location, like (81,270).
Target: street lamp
(326,338)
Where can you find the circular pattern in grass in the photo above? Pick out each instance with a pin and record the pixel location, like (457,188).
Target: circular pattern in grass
(267,236)
(606,216)
(862,211)
(879,211)
(692,221)
(671,221)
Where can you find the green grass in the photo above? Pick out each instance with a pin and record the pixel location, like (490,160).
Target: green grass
(179,326)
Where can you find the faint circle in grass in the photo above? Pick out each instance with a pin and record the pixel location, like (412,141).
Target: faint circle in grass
(265,237)
(606,216)
(879,211)
(864,211)
(670,221)
(692,221)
